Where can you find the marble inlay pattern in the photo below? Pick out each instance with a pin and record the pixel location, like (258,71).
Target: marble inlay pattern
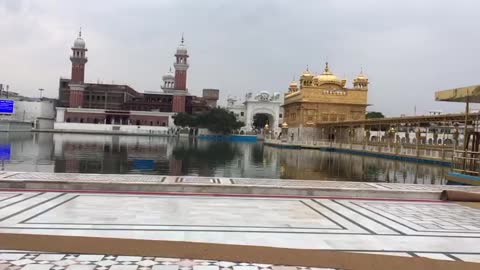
(39,261)
(437,229)
(49,261)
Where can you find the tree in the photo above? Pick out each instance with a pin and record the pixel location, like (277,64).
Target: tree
(183,119)
(217,120)
(371,115)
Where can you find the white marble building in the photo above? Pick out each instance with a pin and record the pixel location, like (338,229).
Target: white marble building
(261,103)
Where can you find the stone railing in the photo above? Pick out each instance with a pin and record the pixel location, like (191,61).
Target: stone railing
(430,152)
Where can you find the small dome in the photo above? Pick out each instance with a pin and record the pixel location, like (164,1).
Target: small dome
(293,84)
(284,125)
(306,73)
(181,49)
(79,43)
(361,77)
(169,75)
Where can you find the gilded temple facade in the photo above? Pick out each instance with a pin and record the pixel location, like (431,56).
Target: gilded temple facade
(323,98)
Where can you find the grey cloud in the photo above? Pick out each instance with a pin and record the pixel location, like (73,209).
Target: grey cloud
(409,48)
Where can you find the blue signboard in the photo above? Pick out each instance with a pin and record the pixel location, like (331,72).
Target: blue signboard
(5,151)
(6,106)
(143,164)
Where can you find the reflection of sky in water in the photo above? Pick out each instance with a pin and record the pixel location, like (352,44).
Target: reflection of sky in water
(170,156)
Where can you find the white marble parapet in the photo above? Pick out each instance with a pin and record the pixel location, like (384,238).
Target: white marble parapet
(222,185)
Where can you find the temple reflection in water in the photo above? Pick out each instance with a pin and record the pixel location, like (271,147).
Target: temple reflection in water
(75,153)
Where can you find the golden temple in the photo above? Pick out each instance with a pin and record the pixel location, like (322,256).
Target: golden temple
(324,98)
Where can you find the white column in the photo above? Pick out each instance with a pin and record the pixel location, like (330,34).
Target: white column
(60,115)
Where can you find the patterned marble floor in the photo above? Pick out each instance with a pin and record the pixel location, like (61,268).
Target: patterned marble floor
(431,229)
(49,261)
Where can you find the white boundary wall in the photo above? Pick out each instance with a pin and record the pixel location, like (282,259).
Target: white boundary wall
(133,129)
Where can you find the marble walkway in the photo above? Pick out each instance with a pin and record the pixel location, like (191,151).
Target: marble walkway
(439,230)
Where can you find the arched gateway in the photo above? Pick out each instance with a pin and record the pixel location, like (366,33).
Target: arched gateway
(262,105)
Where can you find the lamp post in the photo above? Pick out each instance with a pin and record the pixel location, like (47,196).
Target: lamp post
(4,88)
(284,137)
(41,92)
(266,130)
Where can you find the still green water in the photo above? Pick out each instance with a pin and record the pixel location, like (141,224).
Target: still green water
(75,153)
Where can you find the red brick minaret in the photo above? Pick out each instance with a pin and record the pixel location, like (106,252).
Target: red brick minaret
(181,67)
(78,59)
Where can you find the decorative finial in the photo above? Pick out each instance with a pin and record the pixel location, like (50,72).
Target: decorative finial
(170,69)
(182,38)
(307,68)
(80,32)
(326,67)
(361,70)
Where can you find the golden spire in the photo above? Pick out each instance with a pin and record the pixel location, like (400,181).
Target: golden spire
(326,67)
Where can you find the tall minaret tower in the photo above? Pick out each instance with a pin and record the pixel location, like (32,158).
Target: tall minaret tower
(76,84)
(181,67)
(78,59)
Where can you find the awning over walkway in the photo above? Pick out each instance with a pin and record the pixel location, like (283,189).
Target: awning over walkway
(462,94)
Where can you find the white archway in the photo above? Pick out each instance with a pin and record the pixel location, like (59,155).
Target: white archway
(261,103)
(272,122)
(264,104)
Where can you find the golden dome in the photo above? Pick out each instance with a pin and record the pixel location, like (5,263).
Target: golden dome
(293,84)
(327,76)
(307,73)
(361,77)
(284,125)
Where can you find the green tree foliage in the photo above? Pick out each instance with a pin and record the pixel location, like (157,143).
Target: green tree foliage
(371,115)
(183,119)
(217,120)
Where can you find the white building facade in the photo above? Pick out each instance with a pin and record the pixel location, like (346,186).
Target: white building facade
(261,103)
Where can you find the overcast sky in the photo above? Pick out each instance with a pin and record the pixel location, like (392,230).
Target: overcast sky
(409,48)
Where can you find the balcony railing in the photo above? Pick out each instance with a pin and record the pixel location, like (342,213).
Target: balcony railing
(466,162)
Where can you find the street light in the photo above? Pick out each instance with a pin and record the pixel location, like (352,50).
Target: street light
(4,88)
(41,92)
